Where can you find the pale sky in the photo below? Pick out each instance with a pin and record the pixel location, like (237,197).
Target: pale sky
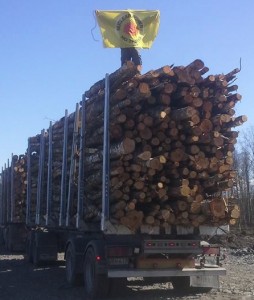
(48,56)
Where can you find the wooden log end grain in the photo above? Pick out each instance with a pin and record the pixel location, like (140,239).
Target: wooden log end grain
(183,113)
(128,146)
(177,155)
(235,212)
(132,220)
(146,155)
(218,208)
(206,126)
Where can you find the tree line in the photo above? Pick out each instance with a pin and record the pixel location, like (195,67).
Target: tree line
(243,190)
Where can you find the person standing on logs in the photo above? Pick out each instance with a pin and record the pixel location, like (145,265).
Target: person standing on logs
(131,54)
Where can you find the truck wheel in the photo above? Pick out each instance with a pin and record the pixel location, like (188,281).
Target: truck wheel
(29,250)
(72,277)
(96,285)
(1,236)
(35,255)
(5,236)
(9,242)
(7,246)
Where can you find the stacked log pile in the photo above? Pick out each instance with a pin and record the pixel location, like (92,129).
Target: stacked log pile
(19,187)
(5,206)
(52,208)
(70,190)
(33,169)
(172,140)
(14,185)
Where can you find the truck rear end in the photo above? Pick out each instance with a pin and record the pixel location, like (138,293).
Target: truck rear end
(130,184)
(107,262)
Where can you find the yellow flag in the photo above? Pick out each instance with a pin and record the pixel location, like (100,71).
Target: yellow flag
(128,28)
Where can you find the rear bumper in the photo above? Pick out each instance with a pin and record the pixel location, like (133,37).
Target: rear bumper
(167,273)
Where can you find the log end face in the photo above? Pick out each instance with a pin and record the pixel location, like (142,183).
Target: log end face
(129,145)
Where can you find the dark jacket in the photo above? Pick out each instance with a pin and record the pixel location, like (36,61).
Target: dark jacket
(130,54)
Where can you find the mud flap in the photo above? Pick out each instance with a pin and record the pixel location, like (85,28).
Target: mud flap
(45,244)
(205,281)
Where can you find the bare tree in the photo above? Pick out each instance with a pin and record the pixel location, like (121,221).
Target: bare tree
(244,190)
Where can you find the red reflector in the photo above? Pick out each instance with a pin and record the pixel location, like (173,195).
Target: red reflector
(211,250)
(98,258)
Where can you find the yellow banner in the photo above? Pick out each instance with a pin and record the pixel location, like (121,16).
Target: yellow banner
(128,28)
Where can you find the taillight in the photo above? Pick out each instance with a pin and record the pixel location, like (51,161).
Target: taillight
(149,244)
(211,250)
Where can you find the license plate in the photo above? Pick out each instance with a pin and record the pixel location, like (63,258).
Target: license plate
(205,281)
(118,261)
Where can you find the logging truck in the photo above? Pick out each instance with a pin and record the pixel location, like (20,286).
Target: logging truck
(12,204)
(132,184)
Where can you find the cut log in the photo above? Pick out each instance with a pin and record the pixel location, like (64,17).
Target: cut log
(183,113)
(218,208)
(124,73)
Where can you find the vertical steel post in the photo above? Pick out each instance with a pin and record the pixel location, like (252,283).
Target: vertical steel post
(64,172)
(106,159)
(8,191)
(72,165)
(40,178)
(4,195)
(28,192)
(81,184)
(12,189)
(49,177)
(2,199)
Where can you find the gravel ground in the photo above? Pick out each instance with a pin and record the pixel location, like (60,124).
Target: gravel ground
(19,280)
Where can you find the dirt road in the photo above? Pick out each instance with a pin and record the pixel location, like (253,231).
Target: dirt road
(19,280)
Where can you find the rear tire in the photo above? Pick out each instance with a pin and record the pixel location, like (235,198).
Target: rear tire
(72,277)
(29,249)
(96,285)
(8,245)
(35,255)
(1,236)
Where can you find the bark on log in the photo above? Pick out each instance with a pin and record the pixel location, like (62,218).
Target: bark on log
(127,71)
